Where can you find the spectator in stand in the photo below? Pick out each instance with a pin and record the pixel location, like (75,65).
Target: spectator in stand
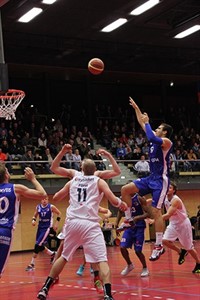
(131,141)
(106,137)
(47,156)
(192,157)
(38,158)
(69,157)
(121,151)
(84,149)
(123,139)
(145,148)
(88,136)
(3,158)
(26,141)
(142,167)
(137,152)
(140,140)
(3,135)
(28,157)
(42,142)
(114,144)
(16,150)
(77,160)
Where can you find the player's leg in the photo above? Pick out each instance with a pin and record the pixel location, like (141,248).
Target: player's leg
(138,246)
(5,246)
(81,267)
(127,242)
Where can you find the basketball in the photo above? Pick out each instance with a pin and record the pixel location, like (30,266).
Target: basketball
(96,66)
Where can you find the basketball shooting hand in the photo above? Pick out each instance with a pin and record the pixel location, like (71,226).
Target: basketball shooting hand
(66,148)
(132,103)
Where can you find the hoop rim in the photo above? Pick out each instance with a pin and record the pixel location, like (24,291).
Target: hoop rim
(12,93)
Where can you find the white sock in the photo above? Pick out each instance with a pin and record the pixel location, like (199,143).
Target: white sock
(128,213)
(159,236)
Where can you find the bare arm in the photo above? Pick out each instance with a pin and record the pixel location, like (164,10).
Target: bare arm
(55,166)
(175,204)
(105,211)
(138,112)
(107,174)
(64,192)
(34,217)
(104,188)
(37,193)
(58,212)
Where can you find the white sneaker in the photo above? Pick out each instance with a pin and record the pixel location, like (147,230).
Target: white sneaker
(156,253)
(127,270)
(145,272)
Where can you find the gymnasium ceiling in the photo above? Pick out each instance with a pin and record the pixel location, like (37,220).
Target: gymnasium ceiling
(67,35)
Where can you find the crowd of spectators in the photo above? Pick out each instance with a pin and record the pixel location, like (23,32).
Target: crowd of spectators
(35,142)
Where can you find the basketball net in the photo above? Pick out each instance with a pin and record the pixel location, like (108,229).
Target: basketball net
(9,101)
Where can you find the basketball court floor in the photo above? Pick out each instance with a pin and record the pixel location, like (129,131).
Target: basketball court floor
(167,280)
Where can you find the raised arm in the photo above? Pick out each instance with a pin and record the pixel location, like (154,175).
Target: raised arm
(37,193)
(138,112)
(55,166)
(64,192)
(107,174)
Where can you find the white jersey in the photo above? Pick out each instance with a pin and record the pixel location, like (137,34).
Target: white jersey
(84,198)
(180,215)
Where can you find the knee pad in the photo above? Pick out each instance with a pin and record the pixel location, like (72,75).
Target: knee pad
(38,248)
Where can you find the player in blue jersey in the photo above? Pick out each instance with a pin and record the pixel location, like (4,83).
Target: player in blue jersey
(157,183)
(134,233)
(45,211)
(9,207)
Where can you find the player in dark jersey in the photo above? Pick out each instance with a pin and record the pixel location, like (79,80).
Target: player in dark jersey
(134,234)
(157,183)
(45,211)
(9,207)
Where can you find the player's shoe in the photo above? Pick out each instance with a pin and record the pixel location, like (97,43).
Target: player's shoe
(42,295)
(156,253)
(98,286)
(80,270)
(106,297)
(145,272)
(196,269)
(125,225)
(52,258)
(182,256)
(127,270)
(30,267)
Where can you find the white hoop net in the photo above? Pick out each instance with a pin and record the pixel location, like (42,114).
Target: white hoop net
(9,102)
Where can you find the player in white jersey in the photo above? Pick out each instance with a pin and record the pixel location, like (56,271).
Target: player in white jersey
(70,173)
(157,182)
(82,224)
(179,228)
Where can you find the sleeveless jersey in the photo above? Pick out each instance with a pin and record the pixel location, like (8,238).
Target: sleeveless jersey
(45,216)
(159,160)
(136,210)
(180,215)
(84,198)
(9,206)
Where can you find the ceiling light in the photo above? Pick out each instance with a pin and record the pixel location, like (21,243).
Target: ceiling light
(144,7)
(48,1)
(114,25)
(31,14)
(187,32)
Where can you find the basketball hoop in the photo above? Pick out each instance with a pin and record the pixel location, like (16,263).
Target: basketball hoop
(9,101)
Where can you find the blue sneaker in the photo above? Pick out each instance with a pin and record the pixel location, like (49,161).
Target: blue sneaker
(80,270)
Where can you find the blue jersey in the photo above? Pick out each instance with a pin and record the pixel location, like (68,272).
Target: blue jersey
(159,160)
(9,206)
(45,216)
(136,210)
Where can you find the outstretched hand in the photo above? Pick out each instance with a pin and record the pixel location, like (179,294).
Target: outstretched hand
(132,103)
(29,174)
(66,147)
(145,118)
(102,152)
(123,206)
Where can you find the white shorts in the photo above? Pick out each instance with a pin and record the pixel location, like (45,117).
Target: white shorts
(182,231)
(78,232)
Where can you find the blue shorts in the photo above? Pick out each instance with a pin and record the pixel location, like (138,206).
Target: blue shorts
(42,236)
(133,236)
(5,245)
(156,186)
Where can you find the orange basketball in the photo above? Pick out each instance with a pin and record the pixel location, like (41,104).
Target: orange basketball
(96,66)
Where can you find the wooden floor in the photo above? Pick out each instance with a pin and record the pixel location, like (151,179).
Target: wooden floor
(167,280)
